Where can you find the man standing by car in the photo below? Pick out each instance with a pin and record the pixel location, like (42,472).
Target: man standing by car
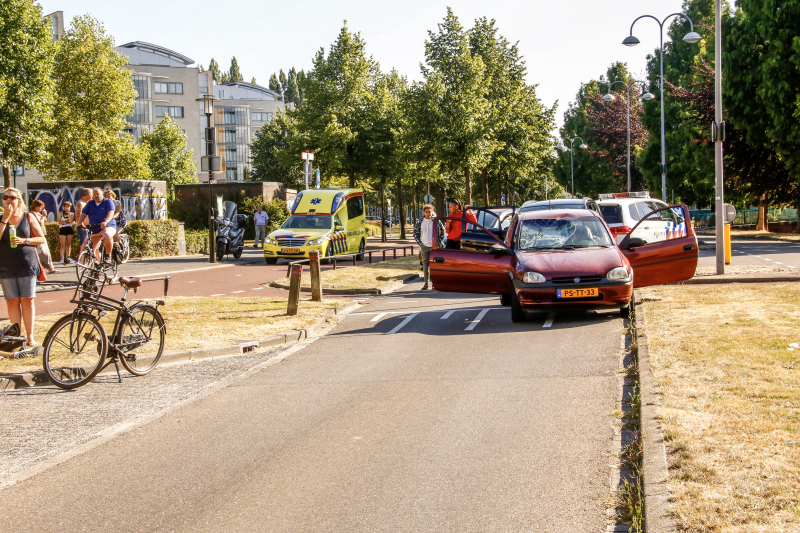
(423,234)
(86,195)
(260,218)
(454,227)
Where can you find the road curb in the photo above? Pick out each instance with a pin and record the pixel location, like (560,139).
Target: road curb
(654,453)
(383,289)
(715,280)
(39,377)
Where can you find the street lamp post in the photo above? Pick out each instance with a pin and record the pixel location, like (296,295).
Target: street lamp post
(691,37)
(212,163)
(610,98)
(571,164)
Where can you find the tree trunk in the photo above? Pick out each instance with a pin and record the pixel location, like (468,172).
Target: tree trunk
(763,224)
(6,177)
(467,187)
(352,177)
(441,209)
(401,206)
(414,205)
(485,183)
(383,209)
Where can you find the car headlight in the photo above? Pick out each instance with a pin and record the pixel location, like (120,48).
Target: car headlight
(318,240)
(533,277)
(619,274)
(272,241)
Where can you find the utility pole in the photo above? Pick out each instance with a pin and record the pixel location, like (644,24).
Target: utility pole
(718,132)
(307,157)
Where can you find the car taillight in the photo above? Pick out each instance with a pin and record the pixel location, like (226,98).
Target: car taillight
(620,230)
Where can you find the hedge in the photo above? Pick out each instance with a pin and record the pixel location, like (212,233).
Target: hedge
(196,242)
(147,238)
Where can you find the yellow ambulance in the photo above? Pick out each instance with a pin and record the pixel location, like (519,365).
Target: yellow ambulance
(331,221)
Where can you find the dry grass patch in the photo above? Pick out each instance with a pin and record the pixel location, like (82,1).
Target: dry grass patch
(369,276)
(201,322)
(731,402)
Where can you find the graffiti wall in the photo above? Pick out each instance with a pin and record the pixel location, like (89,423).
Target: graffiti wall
(141,200)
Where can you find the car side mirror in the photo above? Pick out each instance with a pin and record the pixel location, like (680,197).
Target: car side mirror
(338,227)
(499,249)
(631,243)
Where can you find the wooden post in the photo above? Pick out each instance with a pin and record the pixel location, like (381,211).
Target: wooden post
(316,283)
(294,289)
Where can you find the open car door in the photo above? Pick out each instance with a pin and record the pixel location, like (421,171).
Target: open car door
(475,268)
(494,220)
(671,256)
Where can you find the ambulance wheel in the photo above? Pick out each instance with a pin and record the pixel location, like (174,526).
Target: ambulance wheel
(328,254)
(271,260)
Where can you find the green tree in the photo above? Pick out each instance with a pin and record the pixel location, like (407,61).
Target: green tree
(292,90)
(93,94)
(234,74)
(337,93)
(26,89)
(253,81)
(275,86)
(271,154)
(213,66)
(167,155)
(283,81)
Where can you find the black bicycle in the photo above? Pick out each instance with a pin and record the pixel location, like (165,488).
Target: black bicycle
(120,253)
(77,346)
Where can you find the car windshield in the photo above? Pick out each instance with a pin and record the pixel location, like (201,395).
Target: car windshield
(563,233)
(546,206)
(308,222)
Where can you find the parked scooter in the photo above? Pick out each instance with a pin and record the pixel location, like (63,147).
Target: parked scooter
(230,232)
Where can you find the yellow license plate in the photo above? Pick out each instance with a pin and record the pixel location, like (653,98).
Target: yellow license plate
(578,293)
(290,250)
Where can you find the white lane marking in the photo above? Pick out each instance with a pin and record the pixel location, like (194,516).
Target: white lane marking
(477,319)
(378,317)
(402,301)
(190,282)
(258,289)
(549,321)
(223,294)
(790,266)
(48,302)
(448,314)
(778,263)
(403,323)
(765,259)
(237,275)
(236,292)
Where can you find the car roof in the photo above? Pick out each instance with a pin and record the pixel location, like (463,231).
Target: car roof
(558,213)
(557,201)
(625,201)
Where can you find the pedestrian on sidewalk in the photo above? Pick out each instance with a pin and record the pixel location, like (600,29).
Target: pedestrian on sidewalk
(454,227)
(19,264)
(65,232)
(260,218)
(42,250)
(83,233)
(423,234)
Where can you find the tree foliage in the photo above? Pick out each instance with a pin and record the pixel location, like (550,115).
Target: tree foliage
(26,89)
(167,155)
(271,153)
(93,94)
(213,66)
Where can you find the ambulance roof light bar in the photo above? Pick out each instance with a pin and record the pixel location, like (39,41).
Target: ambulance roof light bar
(638,194)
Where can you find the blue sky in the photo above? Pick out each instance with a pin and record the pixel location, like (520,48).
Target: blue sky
(564,42)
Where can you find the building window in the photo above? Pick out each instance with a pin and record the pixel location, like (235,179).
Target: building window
(135,130)
(141,112)
(232,174)
(233,116)
(262,117)
(142,85)
(168,88)
(173,111)
(202,81)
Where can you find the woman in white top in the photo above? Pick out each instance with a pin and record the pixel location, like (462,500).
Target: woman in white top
(65,231)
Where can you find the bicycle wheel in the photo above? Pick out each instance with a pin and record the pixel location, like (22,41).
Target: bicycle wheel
(126,248)
(74,350)
(85,258)
(141,339)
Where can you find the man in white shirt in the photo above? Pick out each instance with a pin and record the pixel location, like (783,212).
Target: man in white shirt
(260,218)
(423,234)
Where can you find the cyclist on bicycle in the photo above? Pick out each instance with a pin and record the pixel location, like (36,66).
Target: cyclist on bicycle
(100,212)
(108,193)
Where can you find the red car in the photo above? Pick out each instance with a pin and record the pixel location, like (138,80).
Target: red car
(568,259)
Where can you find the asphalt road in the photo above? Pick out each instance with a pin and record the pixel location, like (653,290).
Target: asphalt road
(756,253)
(422,411)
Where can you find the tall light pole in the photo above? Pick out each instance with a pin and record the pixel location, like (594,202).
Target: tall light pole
(571,164)
(211,163)
(718,132)
(691,37)
(610,98)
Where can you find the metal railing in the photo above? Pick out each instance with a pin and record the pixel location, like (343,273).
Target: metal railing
(354,257)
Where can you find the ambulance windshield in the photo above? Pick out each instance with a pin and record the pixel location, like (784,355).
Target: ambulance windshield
(308,222)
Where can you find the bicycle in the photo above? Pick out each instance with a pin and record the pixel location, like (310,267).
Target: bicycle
(120,254)
(76,346)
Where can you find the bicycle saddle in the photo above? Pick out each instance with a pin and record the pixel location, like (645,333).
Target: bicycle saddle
(130,283)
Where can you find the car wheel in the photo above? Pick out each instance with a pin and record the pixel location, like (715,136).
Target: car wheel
(517,314)
(271,260)
(328,254)
(505,300)
(625,311)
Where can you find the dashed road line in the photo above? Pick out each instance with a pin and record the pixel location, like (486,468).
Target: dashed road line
(549,322)
(403,323)
(190,282)
(236,292)
(223,294)
(378,317)
(477,319)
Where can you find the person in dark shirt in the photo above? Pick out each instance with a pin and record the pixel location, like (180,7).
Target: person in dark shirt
(100,212)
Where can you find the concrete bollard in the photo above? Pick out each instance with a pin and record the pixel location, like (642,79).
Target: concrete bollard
(294,289)
(316,283)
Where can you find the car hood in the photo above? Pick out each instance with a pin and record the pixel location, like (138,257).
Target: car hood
(593,262)
(309,234)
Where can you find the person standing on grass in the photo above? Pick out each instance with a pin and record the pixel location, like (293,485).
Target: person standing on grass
(19,263)
(454,227)
(43,250)
(86,195)
(260,218)
(423,234)
(65,231)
